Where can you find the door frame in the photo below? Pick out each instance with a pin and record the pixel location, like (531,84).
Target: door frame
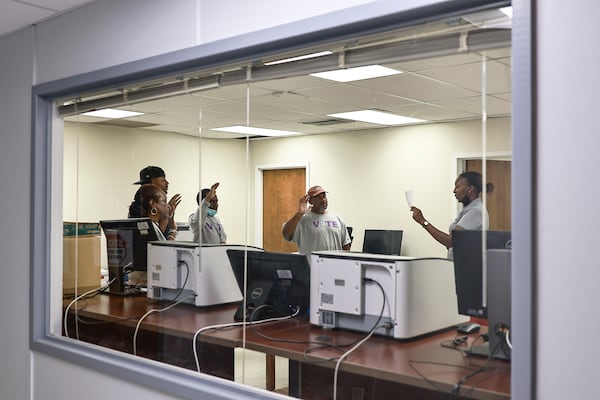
(258,193)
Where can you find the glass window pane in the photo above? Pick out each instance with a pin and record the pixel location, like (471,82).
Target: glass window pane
(237,157)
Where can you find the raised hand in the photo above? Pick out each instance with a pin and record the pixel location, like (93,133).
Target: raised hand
(303,205)
(173,203)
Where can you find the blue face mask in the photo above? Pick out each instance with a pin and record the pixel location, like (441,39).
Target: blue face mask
(211,212)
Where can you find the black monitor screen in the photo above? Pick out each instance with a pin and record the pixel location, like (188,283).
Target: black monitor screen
(378,241)
(278,281)
(126,242)
(468,267)
(127,251)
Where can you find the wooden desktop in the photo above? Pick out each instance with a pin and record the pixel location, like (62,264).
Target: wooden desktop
(380,368)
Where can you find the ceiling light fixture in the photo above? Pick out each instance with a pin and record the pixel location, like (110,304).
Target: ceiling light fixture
(508,11)
(377,117)
(112,113)
(357,73)
(252,131)
(304,57)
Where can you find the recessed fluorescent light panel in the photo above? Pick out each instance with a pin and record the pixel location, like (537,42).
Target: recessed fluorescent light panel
(377,117)
(304,57)
(508,11)
(357,74)
(112,113)
(251,131)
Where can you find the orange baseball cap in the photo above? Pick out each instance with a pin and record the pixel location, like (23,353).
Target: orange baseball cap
(316,190)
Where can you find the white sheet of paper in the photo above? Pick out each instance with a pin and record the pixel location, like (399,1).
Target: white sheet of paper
(410,197)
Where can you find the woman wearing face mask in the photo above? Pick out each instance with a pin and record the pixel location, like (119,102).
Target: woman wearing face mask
(212,229)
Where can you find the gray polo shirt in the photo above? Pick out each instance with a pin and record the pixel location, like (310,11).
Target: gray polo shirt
(472,217)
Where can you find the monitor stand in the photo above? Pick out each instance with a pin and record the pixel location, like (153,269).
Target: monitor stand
(119,286)
(483,350)
(257,294)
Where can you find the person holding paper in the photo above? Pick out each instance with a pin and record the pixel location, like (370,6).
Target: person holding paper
(314,228)
(473,216)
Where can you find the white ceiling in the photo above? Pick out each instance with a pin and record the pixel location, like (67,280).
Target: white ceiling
(436,89)
(16,15)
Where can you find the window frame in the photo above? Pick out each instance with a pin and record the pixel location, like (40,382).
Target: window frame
(363,20)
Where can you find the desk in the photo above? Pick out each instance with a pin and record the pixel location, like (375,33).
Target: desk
(380,368)
(110,321)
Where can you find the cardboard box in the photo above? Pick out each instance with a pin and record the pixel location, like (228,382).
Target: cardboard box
(83,253)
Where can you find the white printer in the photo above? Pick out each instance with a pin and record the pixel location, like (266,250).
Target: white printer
(358,291)
(178,269)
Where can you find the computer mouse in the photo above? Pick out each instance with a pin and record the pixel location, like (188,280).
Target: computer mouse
(468,327)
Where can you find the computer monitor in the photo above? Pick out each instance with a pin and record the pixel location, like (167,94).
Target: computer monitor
(469,281)
(499,302)
(468,267)
(276,284)
(498,307)
(127,251)
(379,241)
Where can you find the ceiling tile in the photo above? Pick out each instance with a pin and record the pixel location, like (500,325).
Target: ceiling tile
(268,109)
(495,106)
(175,102)
(293,83)
(415,87)
(433,112)
(498,53)
(437,62)
(300,103)
(469,76)
(357,97)
(59,5)
(15,15)
(238,92)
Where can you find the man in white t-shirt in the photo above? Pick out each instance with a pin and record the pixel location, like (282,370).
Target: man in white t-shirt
(314,228)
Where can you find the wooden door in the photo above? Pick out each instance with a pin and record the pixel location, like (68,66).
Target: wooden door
(282,188)
(498,202)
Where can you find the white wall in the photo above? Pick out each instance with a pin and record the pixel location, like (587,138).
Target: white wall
(111,32)
(365,172)
(567,213)
(102,162)
(56,379)
(15,105)
(264,14)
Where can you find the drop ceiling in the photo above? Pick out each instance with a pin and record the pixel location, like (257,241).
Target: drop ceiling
(435,89)
(16,15)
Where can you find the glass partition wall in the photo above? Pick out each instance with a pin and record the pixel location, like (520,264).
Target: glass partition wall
(252,138)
